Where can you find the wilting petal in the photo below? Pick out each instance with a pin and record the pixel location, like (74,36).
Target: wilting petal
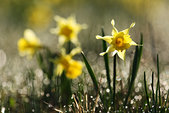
(106,38)
(121,54)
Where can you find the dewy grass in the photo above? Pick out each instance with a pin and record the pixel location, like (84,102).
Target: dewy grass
(135,67)
(91,73)
(153,95)
(145,86)
(106,61)
(114,81)
(158,83)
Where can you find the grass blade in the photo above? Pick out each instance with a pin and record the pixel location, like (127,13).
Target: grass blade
(166,99)
(114,81)
(91,73)
(106,60)
(158,82)
(135,67)
(153,99)
(65,89)
(145,86)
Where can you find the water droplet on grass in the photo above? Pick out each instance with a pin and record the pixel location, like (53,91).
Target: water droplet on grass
(107,90)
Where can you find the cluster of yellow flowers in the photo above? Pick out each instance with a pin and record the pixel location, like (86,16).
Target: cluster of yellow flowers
(67,30)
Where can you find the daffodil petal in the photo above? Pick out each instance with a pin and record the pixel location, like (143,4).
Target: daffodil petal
(114,30)
(59,19)
(121,54)
(127,39)
(112,22)
(63,51)
(75,41)
(74,70)
(29,33)
(30,36)
(132,25)
(109,49)
(59,69)
(114,52)
(133,43)
(62,40)
(71,19)
(75,51)
(106,38)
(126,31)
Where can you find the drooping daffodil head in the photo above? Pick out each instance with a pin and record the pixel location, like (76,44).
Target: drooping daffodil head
(29,44)
(71,67)
(119,42)
(67,29)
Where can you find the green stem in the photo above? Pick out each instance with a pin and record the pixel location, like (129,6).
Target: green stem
(66,91)
(158,74)
(135,67)
(145,86)
(114,81)
(106,61)
(166,98)
(68,47)
(154,103)
(91,73)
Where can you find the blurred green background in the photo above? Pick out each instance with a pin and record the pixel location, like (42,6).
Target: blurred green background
(151,17)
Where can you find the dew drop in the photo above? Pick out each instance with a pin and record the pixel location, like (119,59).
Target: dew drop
(107,90)
(49,105)
(47,95)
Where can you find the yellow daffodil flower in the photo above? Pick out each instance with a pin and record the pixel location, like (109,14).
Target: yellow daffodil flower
(119,41)
(67,29)
(29,44)
(65,63)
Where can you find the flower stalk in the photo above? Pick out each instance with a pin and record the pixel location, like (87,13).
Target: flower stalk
(106,60)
